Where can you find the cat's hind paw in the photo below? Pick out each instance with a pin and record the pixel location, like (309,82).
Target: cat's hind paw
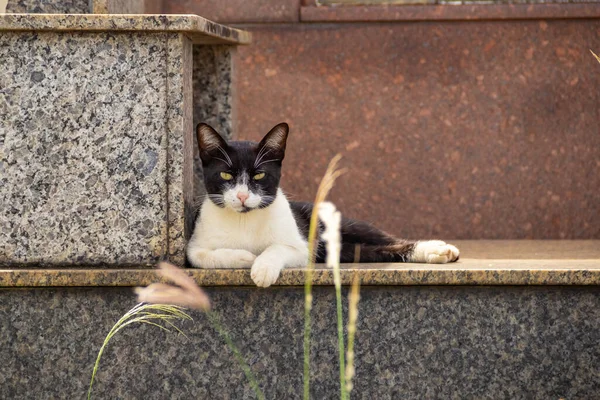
(434,252)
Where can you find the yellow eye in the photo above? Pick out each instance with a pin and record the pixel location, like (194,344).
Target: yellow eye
(258,177)
(226,176)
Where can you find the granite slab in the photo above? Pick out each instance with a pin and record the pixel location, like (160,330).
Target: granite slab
(425,342)
(549,268)
(466,272)
(198,29)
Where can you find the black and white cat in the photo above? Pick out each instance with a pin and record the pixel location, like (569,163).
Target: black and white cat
(247,222)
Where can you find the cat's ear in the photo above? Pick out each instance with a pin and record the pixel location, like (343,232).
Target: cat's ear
(210,143)
(275,140)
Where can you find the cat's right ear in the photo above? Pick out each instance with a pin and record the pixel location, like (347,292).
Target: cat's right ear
(210,143)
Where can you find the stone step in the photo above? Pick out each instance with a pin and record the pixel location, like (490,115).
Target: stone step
(483,262)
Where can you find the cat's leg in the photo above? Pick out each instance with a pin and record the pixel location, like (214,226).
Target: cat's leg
(220,258)
(268,265)
(429,251)
(434,252)
(363,242)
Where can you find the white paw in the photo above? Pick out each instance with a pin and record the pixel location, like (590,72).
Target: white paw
(435,252)
(265,272)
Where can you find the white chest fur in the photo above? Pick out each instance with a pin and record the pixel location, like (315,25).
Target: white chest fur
(255,231)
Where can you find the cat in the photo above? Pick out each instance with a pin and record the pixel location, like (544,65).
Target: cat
(246,221)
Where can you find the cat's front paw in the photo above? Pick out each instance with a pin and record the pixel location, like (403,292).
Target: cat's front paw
(265,271)
(435,252)
(221,258)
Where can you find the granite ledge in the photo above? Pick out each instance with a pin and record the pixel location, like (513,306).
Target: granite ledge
(465,272)
(198,29)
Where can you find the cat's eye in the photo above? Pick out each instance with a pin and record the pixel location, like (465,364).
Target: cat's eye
(226,176)
(258,177)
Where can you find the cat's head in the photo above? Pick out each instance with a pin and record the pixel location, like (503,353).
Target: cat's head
(241,176)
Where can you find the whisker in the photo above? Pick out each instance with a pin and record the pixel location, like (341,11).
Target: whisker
(259,155)
(226,156)
(267,161)
(257,163)
(220,159)
(218,199)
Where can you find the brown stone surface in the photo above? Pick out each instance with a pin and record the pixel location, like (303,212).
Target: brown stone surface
(467,272)
(485,263)
(449,12)
(242,11)
(456,130)
(529,249)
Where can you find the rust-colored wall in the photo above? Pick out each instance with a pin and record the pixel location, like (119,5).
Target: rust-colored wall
(240,11)
(452,130)
(456,129)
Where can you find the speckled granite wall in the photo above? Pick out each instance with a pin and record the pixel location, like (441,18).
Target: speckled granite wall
(213,102)
(49,6)
(212,79)
(92,133)
(412,343)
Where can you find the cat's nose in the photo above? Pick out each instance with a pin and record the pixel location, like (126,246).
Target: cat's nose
(243,197)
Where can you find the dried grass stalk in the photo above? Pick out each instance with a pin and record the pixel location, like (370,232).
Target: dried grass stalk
(594,54)
(186,294)
(331,174)
(353,300)
(151,314)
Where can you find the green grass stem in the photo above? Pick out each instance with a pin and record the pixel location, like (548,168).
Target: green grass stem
(340,328)
(216,323)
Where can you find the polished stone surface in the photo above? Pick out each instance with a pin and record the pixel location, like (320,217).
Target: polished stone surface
(467,272)
(503,263)
(198,29)
(411,343)
(92,134)
(450,130)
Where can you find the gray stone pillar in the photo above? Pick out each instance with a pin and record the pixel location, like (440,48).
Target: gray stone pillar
(96,137)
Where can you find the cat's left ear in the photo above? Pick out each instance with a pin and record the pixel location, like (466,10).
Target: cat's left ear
(210,143)
(275,140)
